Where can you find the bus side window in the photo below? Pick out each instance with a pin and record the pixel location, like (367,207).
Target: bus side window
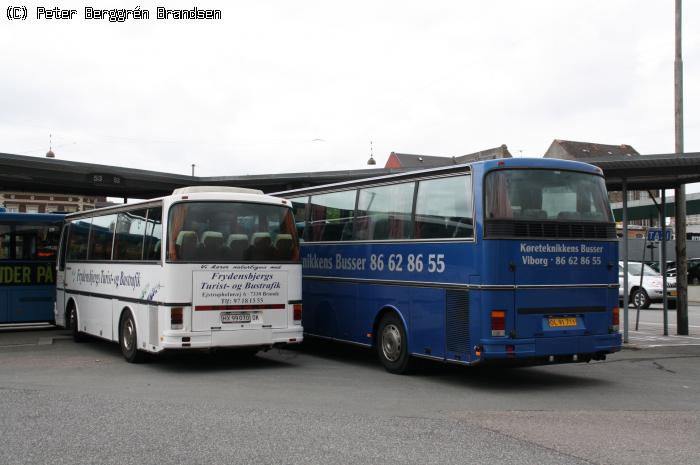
(78,239)
(5,242)
(444,208)
(330,214)
(62,248)
(129,237)
(154,234)
(384,212)
(101,237)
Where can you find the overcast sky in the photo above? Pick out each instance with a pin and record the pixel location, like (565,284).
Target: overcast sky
(287,86)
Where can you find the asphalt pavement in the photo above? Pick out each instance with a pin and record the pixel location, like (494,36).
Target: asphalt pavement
(64,402)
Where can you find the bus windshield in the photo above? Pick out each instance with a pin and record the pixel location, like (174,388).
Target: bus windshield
(231,232)
(29,241)
(546,195)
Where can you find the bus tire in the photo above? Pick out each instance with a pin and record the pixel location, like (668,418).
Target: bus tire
(392,346)
(128,340)
(73,324)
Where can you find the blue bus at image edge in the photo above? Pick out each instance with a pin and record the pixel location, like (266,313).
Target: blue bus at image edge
(28,245)
(500,260)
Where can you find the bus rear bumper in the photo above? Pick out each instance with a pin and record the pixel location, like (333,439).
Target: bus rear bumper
(551,349)
(232,338)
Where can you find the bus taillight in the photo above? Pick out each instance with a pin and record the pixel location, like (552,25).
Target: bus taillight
(297,313)
(616,318)
(176,318)
(498,323)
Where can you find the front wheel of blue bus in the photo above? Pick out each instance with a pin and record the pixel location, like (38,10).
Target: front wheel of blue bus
(128,339)
(392,345)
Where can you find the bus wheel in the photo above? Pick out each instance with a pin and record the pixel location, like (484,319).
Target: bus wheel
(128,340)
(392,345)
(73,325)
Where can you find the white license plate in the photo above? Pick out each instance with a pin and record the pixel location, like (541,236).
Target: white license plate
(239,317)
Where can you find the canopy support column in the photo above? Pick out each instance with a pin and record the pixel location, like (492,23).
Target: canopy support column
(625,260)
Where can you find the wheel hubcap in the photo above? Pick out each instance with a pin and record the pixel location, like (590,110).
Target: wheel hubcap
(391,342)
(128,334)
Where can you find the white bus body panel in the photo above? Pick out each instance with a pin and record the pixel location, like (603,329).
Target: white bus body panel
(102,291)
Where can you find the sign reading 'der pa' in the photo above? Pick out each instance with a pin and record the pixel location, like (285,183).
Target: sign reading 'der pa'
(239,287)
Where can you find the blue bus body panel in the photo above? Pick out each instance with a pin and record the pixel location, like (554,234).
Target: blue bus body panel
(447,305)
(27,291)
(343,295)
(28,287)
(27,304)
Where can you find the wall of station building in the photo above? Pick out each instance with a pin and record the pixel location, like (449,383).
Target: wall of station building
(28,202)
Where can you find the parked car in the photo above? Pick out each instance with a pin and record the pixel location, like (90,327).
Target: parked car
(693,270)
(651,287)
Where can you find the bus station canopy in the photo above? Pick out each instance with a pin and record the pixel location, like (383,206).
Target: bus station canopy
(647,172)
(39,174)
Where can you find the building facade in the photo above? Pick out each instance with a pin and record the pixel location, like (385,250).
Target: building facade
(34,202)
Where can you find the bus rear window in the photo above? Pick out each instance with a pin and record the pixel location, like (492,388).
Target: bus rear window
(231,232)
(546,195)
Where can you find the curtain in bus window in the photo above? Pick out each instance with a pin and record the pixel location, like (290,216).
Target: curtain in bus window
(286,247)
(317,223)
(384,212)
(497,198)
(176,221)
(299,209)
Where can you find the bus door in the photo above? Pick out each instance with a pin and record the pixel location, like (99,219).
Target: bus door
(61,275)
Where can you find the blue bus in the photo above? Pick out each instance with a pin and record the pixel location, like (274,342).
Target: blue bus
(510,260)
(28,245)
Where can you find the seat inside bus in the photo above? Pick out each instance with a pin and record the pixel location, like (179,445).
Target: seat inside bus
(186,243)
(237,246)
(212,244)
(261,247)
(284,246)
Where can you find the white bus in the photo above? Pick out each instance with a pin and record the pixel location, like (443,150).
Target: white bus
(204,267)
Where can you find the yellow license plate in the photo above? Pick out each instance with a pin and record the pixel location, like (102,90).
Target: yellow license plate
(559,322)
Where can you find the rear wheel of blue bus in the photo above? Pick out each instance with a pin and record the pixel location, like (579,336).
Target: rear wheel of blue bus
(128,339)
(392,345)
